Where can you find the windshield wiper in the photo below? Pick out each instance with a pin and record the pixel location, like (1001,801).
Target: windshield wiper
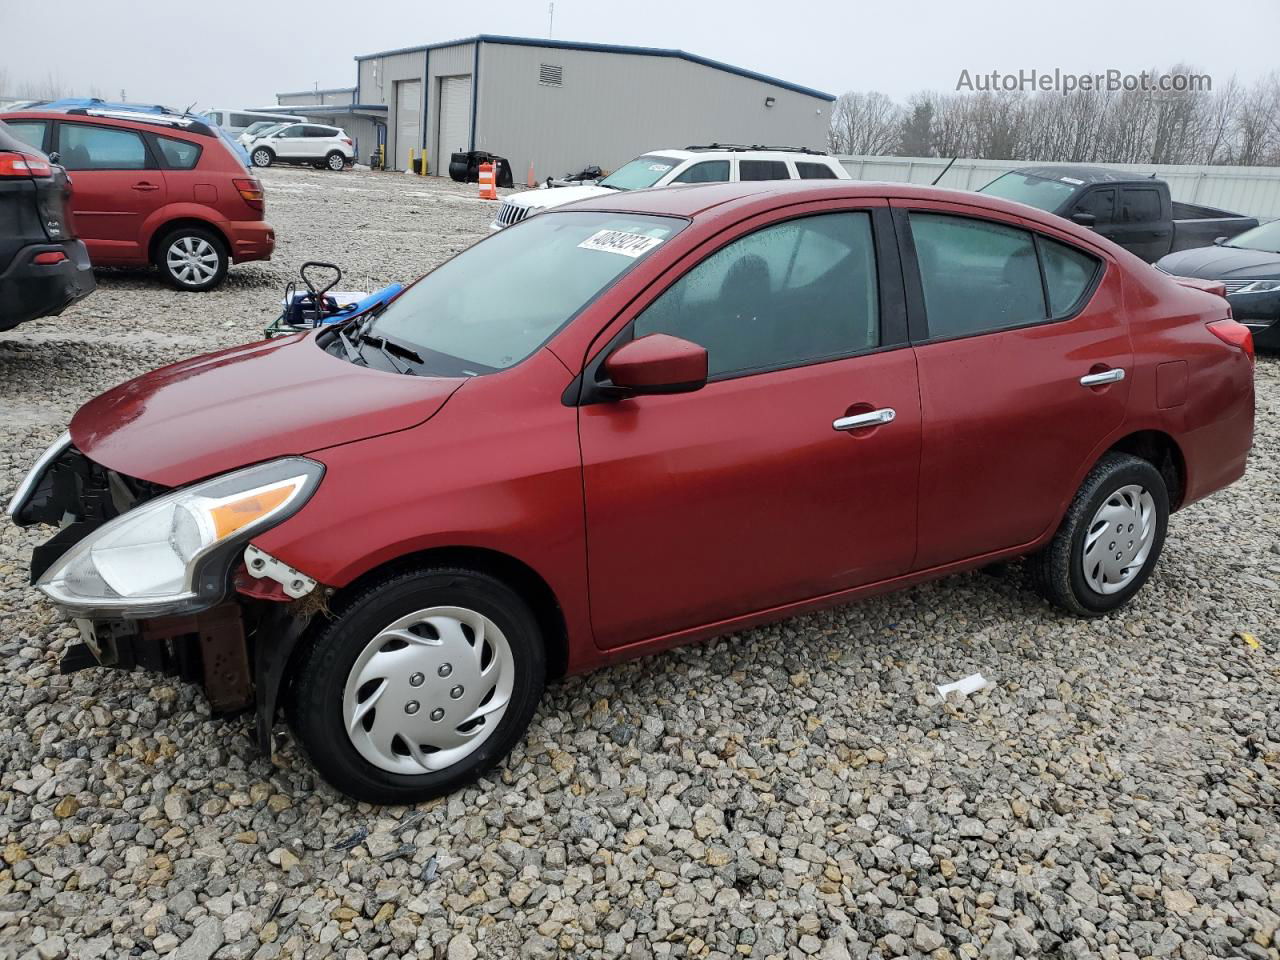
(381,346)
(349,348)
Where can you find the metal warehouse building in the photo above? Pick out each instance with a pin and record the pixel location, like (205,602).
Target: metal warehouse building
(562,106)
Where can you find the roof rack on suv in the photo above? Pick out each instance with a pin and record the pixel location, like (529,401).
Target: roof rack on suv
(191,124)
(741,147)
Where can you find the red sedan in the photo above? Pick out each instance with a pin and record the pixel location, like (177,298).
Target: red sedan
(626,425)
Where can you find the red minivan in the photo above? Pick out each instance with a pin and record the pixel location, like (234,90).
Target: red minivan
(154,188)
(626,424)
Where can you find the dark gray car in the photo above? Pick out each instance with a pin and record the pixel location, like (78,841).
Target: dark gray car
(1249,266)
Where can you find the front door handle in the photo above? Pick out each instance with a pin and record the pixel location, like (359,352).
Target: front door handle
(859,420)
(1100,379)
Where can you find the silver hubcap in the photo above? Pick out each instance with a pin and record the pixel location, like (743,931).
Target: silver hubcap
(428,690)
(192,259)
(261,158)
(335,162)
(1119,539)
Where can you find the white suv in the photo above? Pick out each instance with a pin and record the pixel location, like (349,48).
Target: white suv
(718,163)
(310,143)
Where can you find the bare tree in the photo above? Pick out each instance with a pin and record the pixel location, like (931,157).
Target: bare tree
(1233,124)
(864,123)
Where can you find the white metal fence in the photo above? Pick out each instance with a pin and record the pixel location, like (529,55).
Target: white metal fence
(1254,191)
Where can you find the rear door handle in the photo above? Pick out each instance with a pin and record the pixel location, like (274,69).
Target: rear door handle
(145,186)
(1099,379)
(873,419)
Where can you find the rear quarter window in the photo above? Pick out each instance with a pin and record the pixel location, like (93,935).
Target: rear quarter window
(815,171)
(178,154)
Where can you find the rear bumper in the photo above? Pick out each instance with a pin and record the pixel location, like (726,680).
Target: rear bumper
(29,290)
(250,240)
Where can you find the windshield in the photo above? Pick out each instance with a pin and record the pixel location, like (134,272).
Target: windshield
(1265,238)
(1033,191)
(262,126)
(640,173)
(497,302)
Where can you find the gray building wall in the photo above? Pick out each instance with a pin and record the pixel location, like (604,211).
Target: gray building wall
(613,106)
(378,77)
(610,106)
(340,95)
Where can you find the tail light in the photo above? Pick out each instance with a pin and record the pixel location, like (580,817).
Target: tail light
(250,190)
(49,256)
(1234,334)
(23,165)
(347,141)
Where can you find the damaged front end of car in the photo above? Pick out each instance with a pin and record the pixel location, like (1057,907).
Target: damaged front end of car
(165,579)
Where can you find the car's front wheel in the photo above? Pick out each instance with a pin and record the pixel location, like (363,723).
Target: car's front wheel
(1110,539)
(335,160)
(192,258)
(262,157)
(418,684)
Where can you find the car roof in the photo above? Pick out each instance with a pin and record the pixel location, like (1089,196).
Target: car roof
(166,121)
(1085,174)
(748,153)
(694,201)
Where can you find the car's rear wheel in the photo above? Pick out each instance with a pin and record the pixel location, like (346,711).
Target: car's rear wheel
(335,160)
(262,157)
(192,258)
(1110,539)
(419,684)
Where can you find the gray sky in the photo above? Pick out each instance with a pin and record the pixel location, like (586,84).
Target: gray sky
(236,53)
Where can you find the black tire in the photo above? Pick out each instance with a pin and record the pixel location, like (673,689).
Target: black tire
(262,157)
(335,161)
(1058,570)
(206,243)
(320,672)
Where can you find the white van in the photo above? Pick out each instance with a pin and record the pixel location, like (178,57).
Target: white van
(235,120)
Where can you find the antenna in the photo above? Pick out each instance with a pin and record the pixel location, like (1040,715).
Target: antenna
(551,18)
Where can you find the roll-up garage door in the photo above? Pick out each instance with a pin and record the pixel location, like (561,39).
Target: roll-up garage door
(455,119)
(408,121)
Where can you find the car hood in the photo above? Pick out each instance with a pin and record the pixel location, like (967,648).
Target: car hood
(1223,263)
(557,196)
(251,403)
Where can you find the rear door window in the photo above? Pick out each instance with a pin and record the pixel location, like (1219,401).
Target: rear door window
(84,146)
(1068,275)
(178,154)
(30,132)
(977,276)
(762,170)
(318,132)
(815,171)
(1139,205)
(708,171)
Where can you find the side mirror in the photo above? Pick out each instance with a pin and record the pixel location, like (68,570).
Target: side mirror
(658,363)
(1219,241)
(56,157)
(1084,219)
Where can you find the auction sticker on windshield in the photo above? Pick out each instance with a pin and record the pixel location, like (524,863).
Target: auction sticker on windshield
(619,241)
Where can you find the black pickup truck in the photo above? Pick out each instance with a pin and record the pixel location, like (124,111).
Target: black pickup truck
(1135,212)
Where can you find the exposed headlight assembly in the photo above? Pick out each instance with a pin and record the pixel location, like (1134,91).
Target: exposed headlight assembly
(1260,286)
(173,554)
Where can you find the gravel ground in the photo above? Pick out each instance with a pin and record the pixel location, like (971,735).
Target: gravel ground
(790,791)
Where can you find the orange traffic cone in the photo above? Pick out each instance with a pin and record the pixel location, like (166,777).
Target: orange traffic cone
(487,189)
(533,180)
